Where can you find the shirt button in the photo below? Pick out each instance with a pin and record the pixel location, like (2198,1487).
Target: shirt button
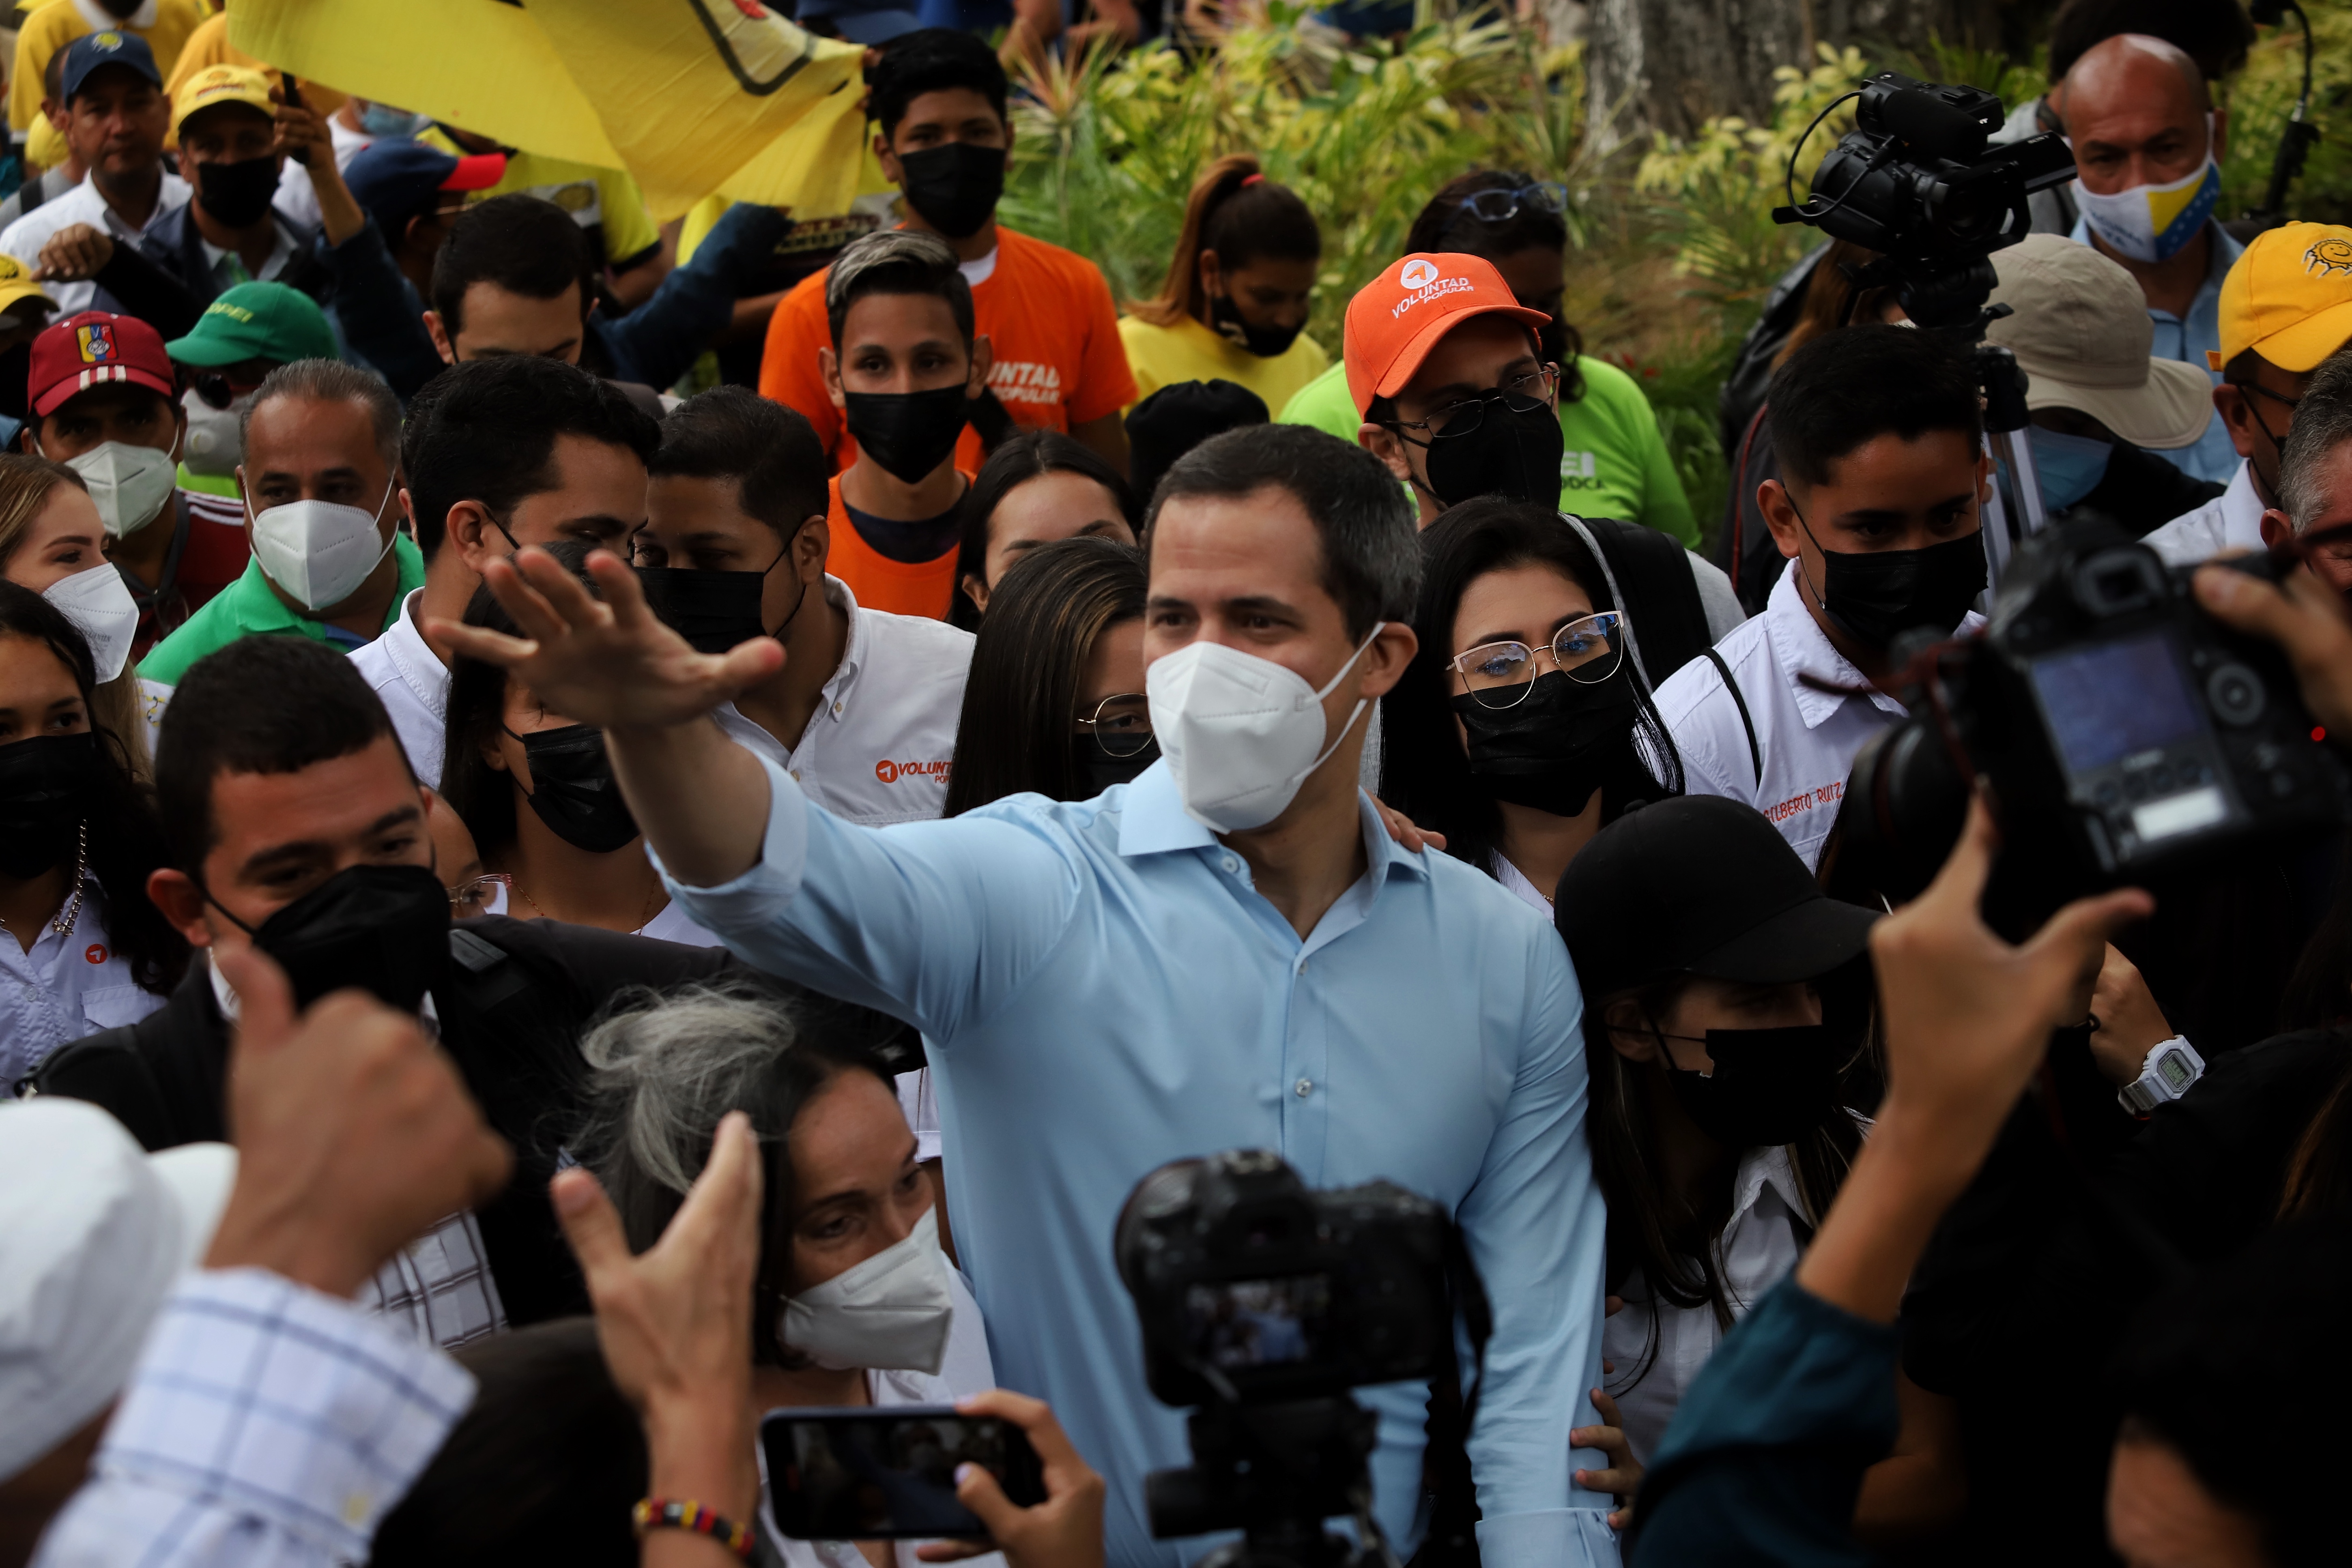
(837,710)
(1304,1087)
(796,775)
(1231,864)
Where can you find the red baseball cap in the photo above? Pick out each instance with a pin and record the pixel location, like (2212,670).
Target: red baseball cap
(1396,318)
(91,349)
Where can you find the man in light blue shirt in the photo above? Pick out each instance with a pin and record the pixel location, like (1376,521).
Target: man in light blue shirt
(1104,986)
(2147,144)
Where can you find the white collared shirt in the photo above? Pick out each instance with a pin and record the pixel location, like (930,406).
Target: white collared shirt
(1808,738)
(409,678)
(102,20)
(2230,521)
(228,267)
(83,205)
(66,986)
(876,749)
(1757,1250)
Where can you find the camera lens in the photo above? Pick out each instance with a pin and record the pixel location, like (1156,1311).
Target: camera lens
(2235,693)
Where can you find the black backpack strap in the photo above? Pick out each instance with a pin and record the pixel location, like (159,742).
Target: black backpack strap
(1649,574)
(1755,752)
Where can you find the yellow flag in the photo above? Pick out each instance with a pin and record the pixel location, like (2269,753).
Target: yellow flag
(691,96)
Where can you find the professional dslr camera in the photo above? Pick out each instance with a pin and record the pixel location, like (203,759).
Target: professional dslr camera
(2127,737)
(1264,1302)
(1917,181)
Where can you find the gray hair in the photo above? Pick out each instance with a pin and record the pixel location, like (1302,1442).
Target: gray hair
(2323,422)
(1372,549)
(897,261)
(332,381)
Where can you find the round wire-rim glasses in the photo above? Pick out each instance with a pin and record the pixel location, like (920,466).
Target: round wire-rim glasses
(1120,723)
(1587,649)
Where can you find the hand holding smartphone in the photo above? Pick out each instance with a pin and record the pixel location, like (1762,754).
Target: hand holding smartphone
(881,1475)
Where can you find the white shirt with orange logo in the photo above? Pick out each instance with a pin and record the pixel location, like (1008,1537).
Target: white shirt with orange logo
(70,985)
(878,749)
(1808,738)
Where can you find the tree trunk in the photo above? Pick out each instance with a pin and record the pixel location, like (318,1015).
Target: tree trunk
(1672,65)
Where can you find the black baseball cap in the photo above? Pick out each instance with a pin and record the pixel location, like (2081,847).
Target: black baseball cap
(109,48)
(1699,885)
(1178,417)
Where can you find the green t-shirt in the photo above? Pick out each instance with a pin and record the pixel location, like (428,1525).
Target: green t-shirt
(249,605)
(1613,461)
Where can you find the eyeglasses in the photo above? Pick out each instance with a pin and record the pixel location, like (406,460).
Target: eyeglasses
(1122,724)
(1502,207)
(475,895)
(1587,650)
(1520,394)
(2265,392)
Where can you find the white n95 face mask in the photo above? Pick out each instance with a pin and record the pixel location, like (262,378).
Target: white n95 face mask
(2151,223)
(215,442)
(129,484)
(98,603)
(320,552)
(891,1312)
(1241,733)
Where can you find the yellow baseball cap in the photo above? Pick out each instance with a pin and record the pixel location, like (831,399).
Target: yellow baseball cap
(218,85)
(16,286)
(2288,298)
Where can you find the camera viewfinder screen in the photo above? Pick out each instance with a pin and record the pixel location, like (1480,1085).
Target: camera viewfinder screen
(2111,700)
(1237,1324)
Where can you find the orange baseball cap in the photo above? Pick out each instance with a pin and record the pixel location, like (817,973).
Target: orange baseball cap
(2288,298)
(1397,319)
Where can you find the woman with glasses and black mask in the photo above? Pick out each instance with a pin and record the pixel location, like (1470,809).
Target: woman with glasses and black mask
(1615,462)
(81,948)
(1055,704)
(536,793)
(1524,725)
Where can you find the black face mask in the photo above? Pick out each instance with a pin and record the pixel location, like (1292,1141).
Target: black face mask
(383,928)
(1873,595)
(1768,1085)
(1556,746)
(573,789)
(1265,342)
(715,610)
(1103,770)
(1512,453)
(239,193)
(44,787)
(955,187)
(909,433)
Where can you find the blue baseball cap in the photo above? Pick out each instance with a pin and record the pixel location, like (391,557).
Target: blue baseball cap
(110,48)
(393,179)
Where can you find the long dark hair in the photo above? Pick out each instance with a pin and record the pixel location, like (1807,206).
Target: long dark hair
(1014,736)
(1425,772)
(1677,1245)
(1235,211)
(1443,225)
(1031,455)
(483,796)
(126,838)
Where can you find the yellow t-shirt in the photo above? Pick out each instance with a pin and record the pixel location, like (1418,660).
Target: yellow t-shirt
(608,199)
(60,22)
(1188,352)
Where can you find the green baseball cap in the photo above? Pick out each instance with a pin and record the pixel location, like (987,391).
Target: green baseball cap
(257,321)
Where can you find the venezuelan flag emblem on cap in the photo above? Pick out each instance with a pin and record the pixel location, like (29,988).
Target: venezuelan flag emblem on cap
(96,341)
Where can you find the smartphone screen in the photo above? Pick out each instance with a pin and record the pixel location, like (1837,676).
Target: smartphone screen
(879,1475)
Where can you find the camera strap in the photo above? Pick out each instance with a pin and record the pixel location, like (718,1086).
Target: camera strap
(1755,752)
(1446,1520)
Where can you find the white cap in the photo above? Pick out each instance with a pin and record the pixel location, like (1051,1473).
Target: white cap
(93,1234)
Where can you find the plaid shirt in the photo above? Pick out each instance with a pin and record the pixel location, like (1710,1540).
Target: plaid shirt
(438,1287)
(265,1426)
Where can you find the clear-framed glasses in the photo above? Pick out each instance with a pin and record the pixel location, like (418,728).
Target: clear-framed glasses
(1588,650)
(1121,723)
(475,895)
(1521,394)
(1502,207)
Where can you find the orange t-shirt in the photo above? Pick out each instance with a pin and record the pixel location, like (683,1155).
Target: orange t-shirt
(902,588)
(1048,315)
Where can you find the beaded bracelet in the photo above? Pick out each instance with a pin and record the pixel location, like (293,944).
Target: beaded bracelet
(660,1514)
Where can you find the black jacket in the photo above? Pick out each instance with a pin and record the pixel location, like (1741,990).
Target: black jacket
(512,1011)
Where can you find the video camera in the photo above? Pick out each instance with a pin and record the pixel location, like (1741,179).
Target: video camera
(1264,1302)
(2127,735)
(1916,180)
